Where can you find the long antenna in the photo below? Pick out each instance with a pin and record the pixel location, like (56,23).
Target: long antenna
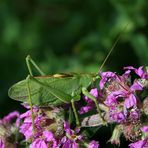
(115,43)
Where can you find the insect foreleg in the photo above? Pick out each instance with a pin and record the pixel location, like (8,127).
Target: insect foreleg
(30,102)
(75,112)
(28,61)
(86,93)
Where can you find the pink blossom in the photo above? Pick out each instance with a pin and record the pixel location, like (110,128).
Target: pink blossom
(38,143)
(144,128)
(2,143)
(117,116)
(85,109)
(130,101)
(93,144)
(71,139)
(105,77)
(139,144)
(139,71)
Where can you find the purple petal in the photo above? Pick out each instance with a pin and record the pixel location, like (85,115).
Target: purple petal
(136,86)
(26,114)
(130,101)
(38,143)
(105,76)
(141,73)
(67,144)
(48,135)
(94,92)
(63,140)
(144,128)
(26,129)
(126,74)
(134,114)
(138,144)
(117,116)
(93,144)
(85,109)
(102,82)
(112,97)
(2,144)
(67,128)
(74,145)
(11,116)
(129,68)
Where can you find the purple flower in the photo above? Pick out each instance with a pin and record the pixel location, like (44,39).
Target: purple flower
(26,128)
(130,101)
(144,129)
(134,114)
(85,109)
(119,93)
(8,127)
(10,117)
(106,77)
(136,86)
(71,139)
(139,144)
(38,143)
(2,143)
(139,71)
(111,99)
(93,144)
(116,115)
(45,141)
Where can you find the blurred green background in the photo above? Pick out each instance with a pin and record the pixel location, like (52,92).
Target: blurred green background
(68,35)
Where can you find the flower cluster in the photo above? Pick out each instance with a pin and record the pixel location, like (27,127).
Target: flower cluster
(50,130)
(120,94)
(45,129)
(8,128)
(118,100)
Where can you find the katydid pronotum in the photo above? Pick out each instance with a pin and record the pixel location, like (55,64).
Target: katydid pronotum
(57,89)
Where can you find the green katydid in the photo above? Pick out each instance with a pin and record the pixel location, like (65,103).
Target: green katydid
(54,90)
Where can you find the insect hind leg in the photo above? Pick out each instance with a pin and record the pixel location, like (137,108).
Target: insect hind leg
(30,61)
(30,102)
